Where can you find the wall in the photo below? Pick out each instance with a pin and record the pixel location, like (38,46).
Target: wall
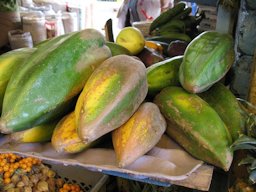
(245,46)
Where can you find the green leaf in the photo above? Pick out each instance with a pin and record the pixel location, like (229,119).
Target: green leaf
(248,112)
(253,165)
(244,139)
(244,142)
(243,146)
(247,160)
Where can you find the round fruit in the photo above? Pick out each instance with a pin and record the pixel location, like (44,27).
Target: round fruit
(132,39)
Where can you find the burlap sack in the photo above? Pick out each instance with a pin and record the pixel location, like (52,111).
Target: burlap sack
(8,21)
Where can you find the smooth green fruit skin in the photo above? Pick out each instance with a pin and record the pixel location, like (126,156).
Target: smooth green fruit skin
(111,95)
(54,40)
(206,60)
(117,49)
(44,88)
(9,62)
(226,105)
(195,126)
(163,74)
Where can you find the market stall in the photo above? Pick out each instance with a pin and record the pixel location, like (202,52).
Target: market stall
(164,101)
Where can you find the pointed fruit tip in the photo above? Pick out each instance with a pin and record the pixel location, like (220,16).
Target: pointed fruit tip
(3,128)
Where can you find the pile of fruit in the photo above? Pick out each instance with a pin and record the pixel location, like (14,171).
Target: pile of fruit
(27,174)
(74,89)
(169,35)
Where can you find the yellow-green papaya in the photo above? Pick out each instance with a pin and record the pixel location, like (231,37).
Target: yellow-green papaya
(207,59)
(196,126)
(111,95)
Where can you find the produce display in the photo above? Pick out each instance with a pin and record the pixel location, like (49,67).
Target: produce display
(74,89)
(194,125)
(52,77)
(172,30)
(29,174)
(111,95)
(175,24)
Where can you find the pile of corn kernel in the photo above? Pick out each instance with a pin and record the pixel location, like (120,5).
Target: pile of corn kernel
(28,174)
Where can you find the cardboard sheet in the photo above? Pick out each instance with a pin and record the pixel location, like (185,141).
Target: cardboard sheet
(166,162)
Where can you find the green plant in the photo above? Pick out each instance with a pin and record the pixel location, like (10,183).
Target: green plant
(247,140)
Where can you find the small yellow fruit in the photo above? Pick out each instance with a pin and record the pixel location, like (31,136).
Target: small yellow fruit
(132,39)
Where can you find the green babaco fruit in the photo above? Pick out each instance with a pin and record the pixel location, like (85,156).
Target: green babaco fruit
(139,134)
(195,126)
(54,75)
(226,105)
(9,62)
(207,59)
(111,95)
(163,74)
